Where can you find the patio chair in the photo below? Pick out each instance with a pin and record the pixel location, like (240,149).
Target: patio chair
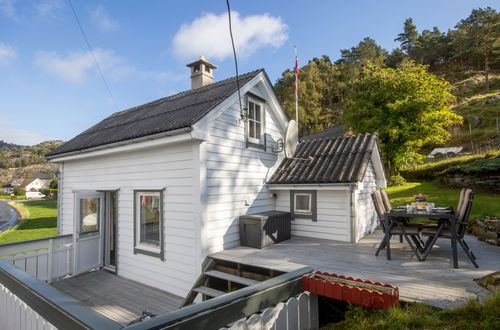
(443,231)
(411,233)
(388,207)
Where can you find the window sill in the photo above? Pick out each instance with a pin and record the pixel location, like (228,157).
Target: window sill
(256,145)
(149,252)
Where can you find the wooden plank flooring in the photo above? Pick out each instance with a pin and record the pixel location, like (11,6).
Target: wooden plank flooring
(118,298)
(433,281)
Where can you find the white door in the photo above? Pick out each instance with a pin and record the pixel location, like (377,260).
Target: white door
(88,231)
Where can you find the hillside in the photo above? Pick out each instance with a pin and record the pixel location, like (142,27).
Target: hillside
(23,161)
(480,110)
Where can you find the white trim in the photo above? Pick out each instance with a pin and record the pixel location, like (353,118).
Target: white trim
(378,167)
(262,113)
(321,186)
(201,129)
(151,247)
(128,147)
(301,211)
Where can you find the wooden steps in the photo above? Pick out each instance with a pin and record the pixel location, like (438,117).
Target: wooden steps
(209,291)
(220,277)
(231,278)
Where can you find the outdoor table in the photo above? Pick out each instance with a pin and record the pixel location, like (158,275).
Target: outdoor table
(449,216)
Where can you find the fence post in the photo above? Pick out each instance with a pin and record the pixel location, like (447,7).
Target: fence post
(50,260)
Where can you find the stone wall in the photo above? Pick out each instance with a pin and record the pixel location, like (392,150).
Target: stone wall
(488,181)
(489,231)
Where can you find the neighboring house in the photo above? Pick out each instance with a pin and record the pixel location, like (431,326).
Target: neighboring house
(31,184)
(9,187)
(149,192)
(35,184)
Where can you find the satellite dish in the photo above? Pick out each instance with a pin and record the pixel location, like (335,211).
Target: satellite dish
(291,138)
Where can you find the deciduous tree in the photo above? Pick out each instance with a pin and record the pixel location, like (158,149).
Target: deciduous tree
(407,107)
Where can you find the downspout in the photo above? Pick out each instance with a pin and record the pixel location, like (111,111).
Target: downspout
(353,213)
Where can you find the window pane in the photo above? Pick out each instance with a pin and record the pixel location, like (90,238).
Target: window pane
(302,203)
(251,128)
(257,130)
(251,110)
(257,112)
(89,212)
(150,219)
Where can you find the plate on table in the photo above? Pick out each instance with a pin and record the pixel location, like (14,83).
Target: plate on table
(441,209)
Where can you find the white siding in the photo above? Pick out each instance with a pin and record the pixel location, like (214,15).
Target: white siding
(332,215)
(235,176)
(366,219)
(170,167)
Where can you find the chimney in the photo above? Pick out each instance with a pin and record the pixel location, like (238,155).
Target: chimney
(201,72)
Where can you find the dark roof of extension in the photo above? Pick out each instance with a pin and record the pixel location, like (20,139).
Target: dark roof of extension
(331,132)
(327,160)
(170,113)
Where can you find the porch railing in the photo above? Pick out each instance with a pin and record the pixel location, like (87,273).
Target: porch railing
(28,303)
(45,259)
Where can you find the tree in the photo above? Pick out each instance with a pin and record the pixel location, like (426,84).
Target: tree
(54,184)
(408,38)
(478,36)
(407,107)
(395,58)
(318,95)
(366,51)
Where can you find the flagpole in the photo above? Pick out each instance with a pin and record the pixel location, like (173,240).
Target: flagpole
(296,87)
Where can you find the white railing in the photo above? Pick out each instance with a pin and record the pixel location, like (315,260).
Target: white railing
(299,312)
(15,314)
(45,259)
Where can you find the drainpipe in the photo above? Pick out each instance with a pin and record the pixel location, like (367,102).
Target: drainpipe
(353,213)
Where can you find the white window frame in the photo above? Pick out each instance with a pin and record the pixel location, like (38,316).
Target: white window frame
(251,139)
(300,211)
(145,247)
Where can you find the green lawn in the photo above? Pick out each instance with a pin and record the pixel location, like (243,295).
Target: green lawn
(39,220)
(473,315)
(9,197)
(485,204)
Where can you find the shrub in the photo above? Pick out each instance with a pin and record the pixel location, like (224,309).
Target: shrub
(478,166)
(396,180)
(18,191)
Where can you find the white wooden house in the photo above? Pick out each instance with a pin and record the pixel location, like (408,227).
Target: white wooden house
(149,192)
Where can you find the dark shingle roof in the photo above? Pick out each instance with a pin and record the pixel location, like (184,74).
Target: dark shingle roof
(327,160)
(174,112)
(331,132)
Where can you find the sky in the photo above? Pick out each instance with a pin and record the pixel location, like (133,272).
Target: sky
(51,89)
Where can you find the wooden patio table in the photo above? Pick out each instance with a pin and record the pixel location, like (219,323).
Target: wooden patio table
(438,216)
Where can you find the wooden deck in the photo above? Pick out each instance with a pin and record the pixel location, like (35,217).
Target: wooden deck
(433,281)
(118,298)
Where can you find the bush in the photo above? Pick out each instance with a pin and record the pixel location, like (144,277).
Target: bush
(396,180)
(19,191)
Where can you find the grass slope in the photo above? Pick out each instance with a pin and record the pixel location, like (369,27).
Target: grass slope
(473,315)
(485,204)
(39,220)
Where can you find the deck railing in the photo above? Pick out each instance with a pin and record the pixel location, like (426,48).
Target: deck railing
(45,259)
(28,303)
(218,312)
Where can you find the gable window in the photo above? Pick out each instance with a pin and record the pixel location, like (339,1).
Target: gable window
(148,223)
(303,204)
(255,122)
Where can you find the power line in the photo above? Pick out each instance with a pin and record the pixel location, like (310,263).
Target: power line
(92,53)
(242,114)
